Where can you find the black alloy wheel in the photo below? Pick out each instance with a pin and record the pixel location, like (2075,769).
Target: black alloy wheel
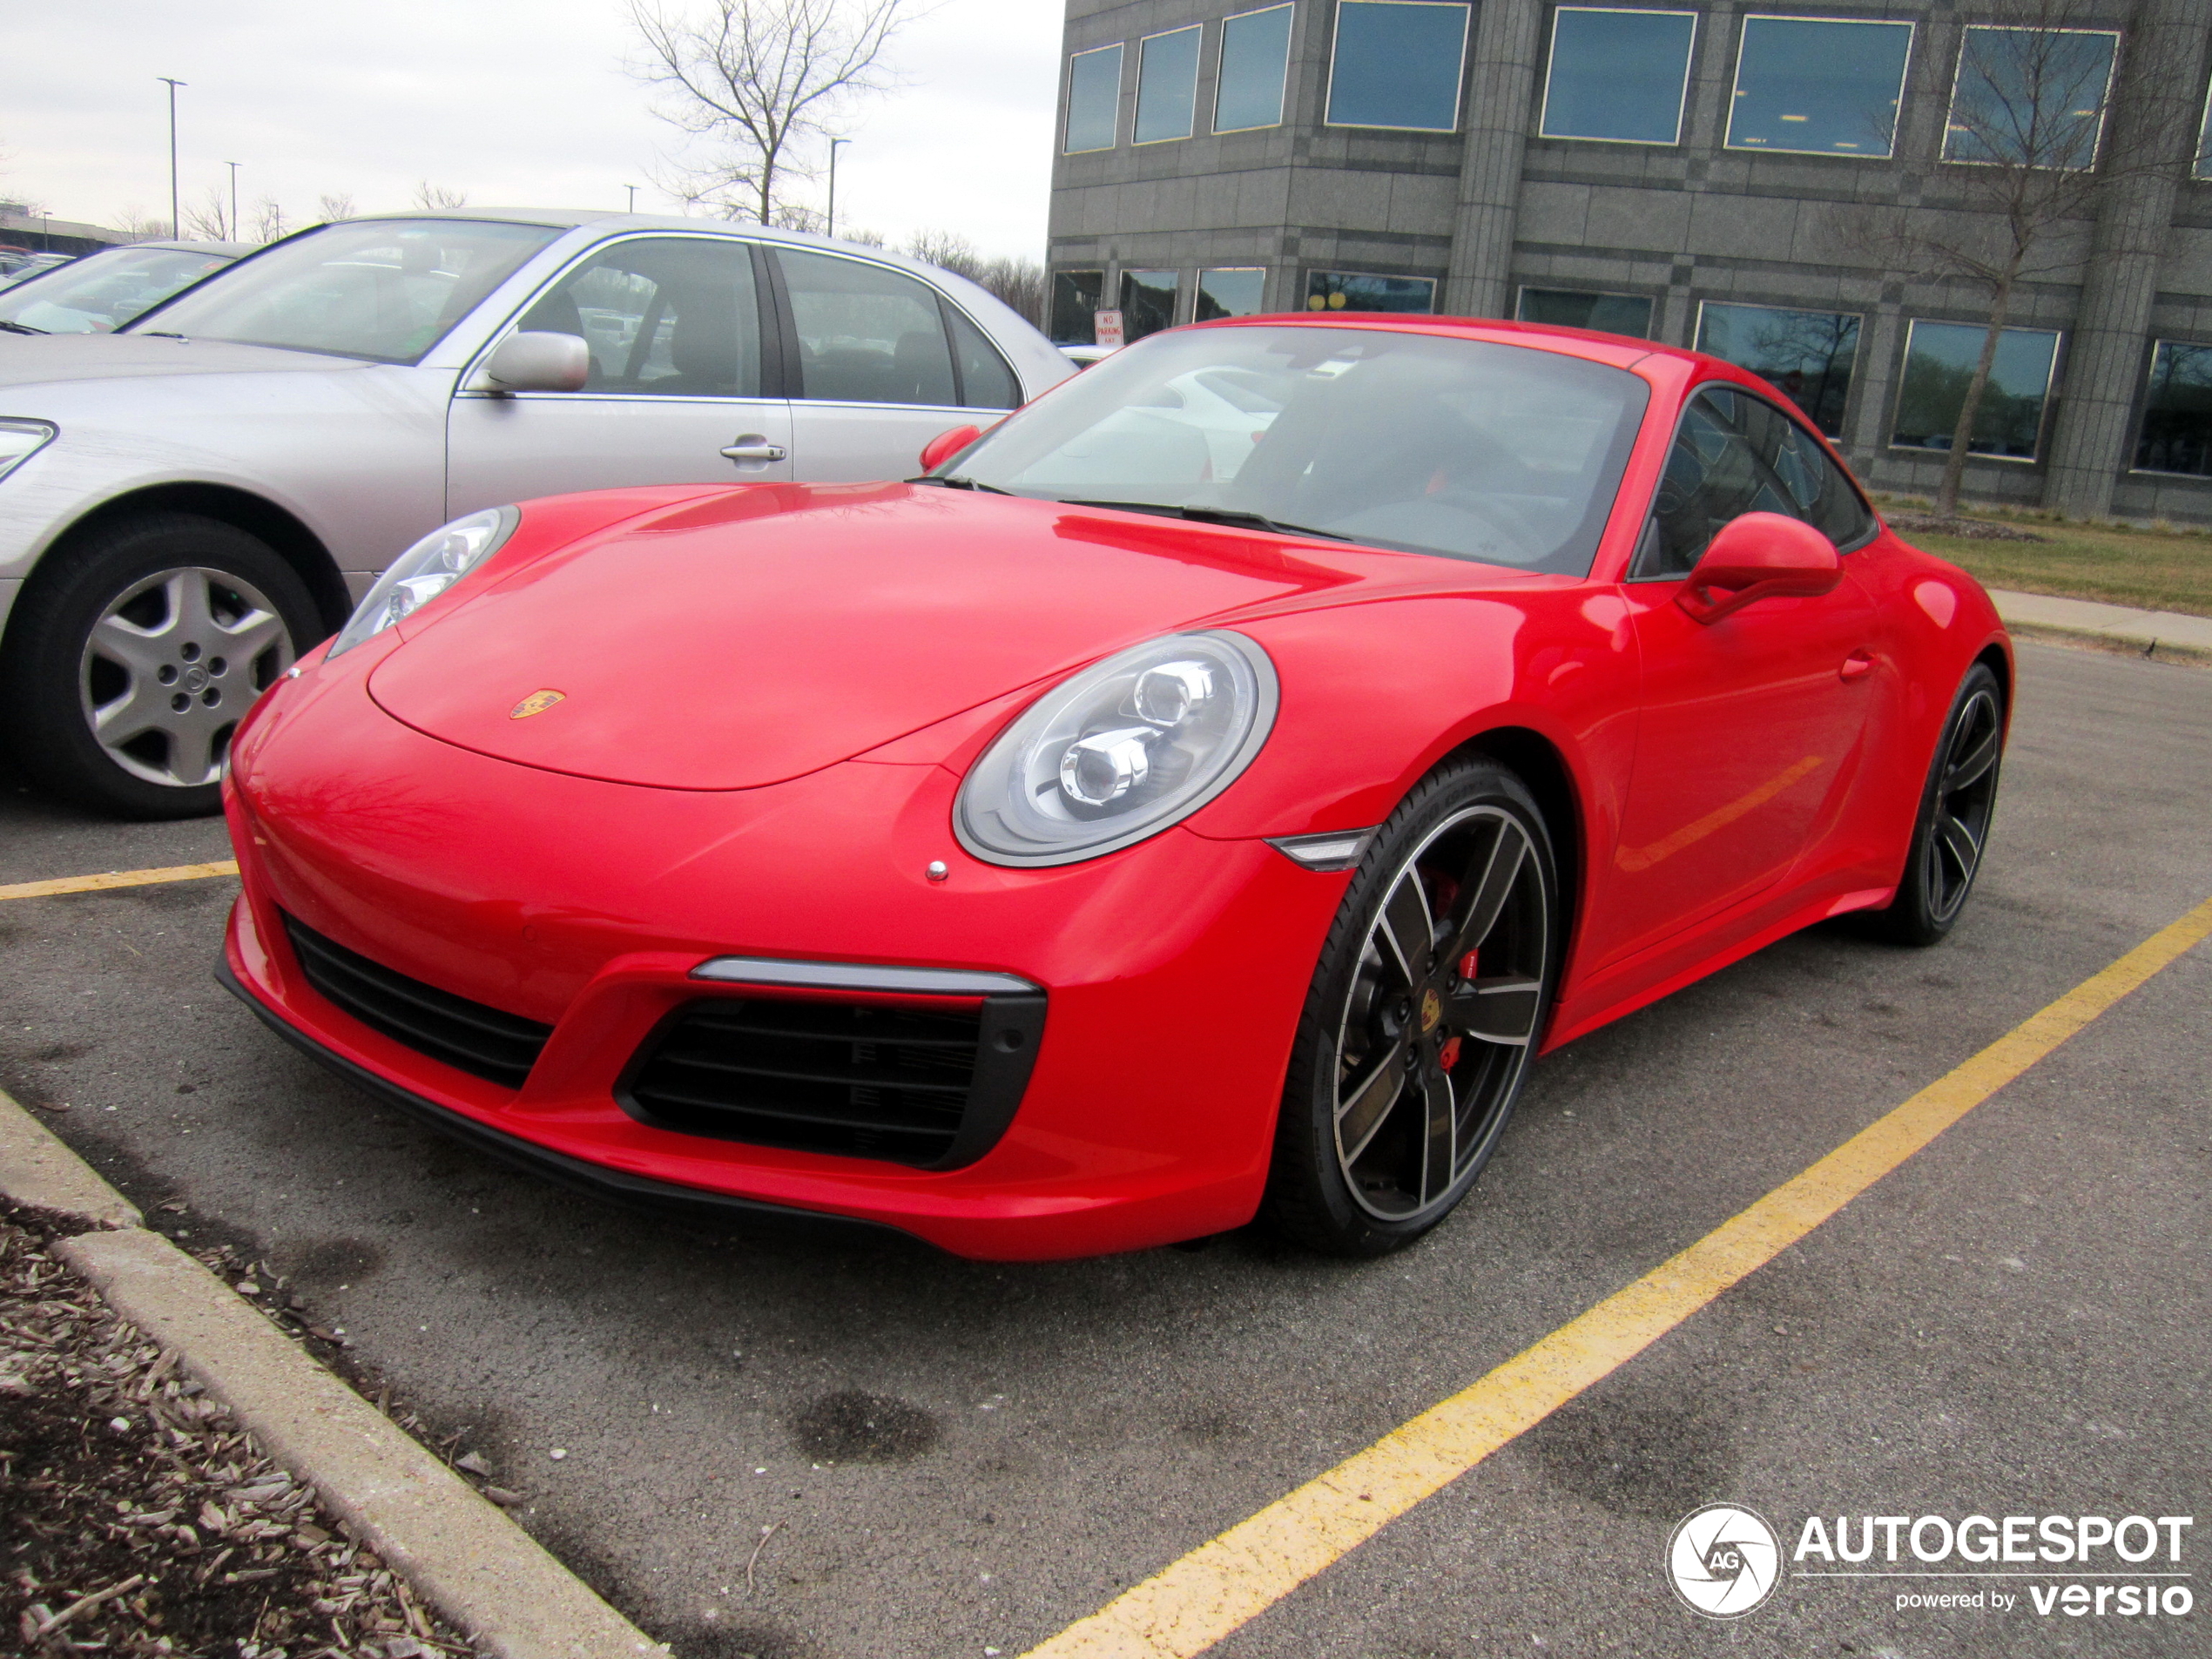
(1952,833)
(1424,1013)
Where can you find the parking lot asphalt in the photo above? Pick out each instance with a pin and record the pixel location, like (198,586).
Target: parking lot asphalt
(953,1458)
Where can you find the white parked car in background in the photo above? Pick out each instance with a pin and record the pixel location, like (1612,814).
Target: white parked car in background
(188,502)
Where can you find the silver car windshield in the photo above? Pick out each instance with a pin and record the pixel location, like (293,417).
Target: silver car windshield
(1510,454)
(95,295)
(383,289)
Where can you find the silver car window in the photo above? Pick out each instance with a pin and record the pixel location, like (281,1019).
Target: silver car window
(867,334)
(669,316)
(383,289)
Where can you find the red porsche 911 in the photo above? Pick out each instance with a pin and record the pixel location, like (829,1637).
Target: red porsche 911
(1199,798)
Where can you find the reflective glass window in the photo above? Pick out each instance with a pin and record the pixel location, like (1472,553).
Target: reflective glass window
(1354,291)
(986,379)
(1617,75)
(99,293)
(1148,301)
(1939,360)
(1094,99)
(2177,414)
(2035,96)
(1234,291)
(1807,354)
(866,333)
(1077,296)
(1818,85)
(1167,86)
(671,316)
(1255,63)
(1736,455)
(1398,63)
(1611,314)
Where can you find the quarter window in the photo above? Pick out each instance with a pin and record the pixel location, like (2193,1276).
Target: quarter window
(1398,63)
(2030,97)
(1233,291)
(665,316)
(1167,86)
(1147,302)
(1807,354)
(1617,75)
(1818,85)
(1736,455)
(1939,360)
(1355,291)
(2177,414)
(1094,99)
(1611,314)
(1255,66)
(866,333)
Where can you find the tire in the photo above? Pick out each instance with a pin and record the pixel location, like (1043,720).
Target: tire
(1950,831)
(1366,1163)
(134,652)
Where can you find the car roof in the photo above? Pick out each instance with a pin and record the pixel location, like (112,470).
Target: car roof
(239,250)
(580,219)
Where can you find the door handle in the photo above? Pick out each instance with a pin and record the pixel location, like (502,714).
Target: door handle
(1858,666)
(754,448)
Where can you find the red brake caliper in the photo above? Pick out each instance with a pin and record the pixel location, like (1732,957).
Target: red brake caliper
(1449,1055)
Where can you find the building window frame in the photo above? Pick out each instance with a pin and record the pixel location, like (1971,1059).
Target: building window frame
(1682,96)
(1808,417)
(1143,50)
(2043,408)
(1523,290)
(1958,71)
(1068,113)
(2135,467)
(1466,9)
(1072,276)
(1735,83)
(1131,276)
(1317,275)
(1198,289)
(1221,60)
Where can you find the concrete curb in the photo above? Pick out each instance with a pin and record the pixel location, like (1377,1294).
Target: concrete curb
(2160,636)
(464,1555)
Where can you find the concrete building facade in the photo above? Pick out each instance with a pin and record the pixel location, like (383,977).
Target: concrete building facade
(1700,172)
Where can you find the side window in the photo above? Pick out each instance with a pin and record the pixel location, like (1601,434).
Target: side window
(666,316)
(985,381)
(867,334)
(1736,455)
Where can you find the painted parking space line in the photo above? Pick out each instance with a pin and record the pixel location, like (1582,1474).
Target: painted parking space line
(1192,1604)
(117,878)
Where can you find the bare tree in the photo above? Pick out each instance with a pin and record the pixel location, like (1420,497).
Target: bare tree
(139,225)
(340,205)
(430,196)
(760,82)
(2031,155)
(1019,283)
(208,218)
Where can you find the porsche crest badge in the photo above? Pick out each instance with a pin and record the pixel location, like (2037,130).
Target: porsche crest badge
(536,703)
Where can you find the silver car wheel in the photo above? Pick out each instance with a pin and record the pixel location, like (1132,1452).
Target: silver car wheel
(172,665)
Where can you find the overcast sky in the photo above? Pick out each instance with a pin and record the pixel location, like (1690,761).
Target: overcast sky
(516,102)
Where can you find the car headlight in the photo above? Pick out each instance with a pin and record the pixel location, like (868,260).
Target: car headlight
(19,440)
(1121,750)
(426,570)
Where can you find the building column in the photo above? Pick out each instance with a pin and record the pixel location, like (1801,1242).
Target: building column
(2153,134)
(1508,38)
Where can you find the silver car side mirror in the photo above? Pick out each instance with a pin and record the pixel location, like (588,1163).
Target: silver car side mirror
(530,361)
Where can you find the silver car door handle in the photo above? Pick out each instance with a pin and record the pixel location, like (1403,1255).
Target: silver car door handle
(755,450)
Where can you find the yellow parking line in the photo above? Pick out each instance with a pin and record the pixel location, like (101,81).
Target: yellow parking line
(1192,1604)
(117,879)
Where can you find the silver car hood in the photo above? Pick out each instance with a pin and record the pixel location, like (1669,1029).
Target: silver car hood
(48,360)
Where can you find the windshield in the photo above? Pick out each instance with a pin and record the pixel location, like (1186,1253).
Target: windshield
(1506,453)
(94,296)
(385,289)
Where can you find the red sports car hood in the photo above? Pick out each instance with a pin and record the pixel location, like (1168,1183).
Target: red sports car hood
(763,634)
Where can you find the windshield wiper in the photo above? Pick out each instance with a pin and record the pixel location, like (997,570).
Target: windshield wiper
(1214,515)
(960,483)
(21,328)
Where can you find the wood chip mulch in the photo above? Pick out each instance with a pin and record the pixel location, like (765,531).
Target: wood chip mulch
(1972,529)
(137,1518)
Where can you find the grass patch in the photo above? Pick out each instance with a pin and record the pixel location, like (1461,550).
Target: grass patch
(2154,569)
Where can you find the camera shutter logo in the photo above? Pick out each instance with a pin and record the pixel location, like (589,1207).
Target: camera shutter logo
(1723,1561)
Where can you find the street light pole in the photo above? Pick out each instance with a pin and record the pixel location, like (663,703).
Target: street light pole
(173,84)
(832,190)
(232,165)
(632,189)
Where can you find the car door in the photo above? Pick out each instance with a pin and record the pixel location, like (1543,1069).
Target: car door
(1751,725)
(882,364)
(679,392)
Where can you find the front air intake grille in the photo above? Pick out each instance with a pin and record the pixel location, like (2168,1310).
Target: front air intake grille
(931,1087)
(500,1048)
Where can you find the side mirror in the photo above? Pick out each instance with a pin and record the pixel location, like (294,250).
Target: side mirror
(536,363)
(1760,555)
(945,445)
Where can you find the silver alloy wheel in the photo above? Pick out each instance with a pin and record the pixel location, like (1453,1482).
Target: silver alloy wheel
(1442,1016)
(172,666)
(1965,799)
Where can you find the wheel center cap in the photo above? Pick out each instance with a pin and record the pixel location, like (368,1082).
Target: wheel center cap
(195,679)
(1431,1010)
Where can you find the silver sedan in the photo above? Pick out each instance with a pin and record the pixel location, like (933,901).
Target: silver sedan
(188,503)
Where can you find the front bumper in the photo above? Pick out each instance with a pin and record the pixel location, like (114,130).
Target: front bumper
(1174,971)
